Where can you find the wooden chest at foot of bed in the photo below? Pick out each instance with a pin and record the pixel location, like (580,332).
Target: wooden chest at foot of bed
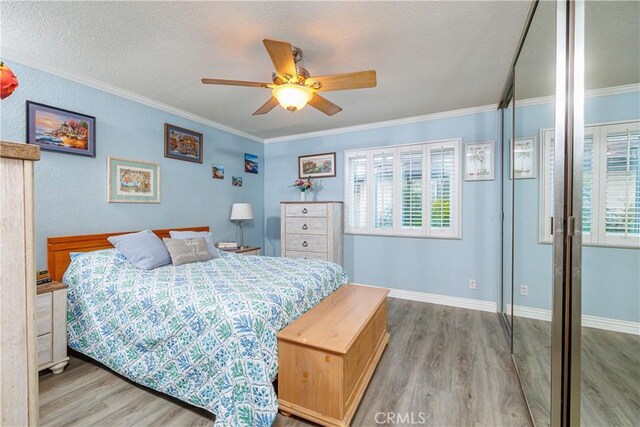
(327,356)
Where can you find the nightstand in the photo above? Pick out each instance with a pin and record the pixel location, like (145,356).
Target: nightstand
(51,326)
(247,250)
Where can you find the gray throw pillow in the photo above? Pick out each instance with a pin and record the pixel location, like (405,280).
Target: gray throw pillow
(184,251)
(211,246)
(144,250)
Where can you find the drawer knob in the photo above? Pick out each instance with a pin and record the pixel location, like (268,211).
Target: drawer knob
(304,227)
(305,244)
(304,210)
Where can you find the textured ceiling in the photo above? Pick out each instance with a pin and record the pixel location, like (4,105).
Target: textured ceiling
(430,56)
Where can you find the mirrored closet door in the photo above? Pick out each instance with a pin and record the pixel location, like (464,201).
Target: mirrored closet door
(532,257)
(610,270)
(571,233)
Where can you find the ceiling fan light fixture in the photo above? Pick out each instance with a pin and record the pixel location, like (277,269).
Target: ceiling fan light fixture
(292,97)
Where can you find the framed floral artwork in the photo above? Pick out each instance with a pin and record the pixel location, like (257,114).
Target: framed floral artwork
(479,161)
(317,165)
(524,158)
(132,181)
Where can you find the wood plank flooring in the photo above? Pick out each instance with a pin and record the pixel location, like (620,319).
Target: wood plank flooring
(610,373)
(443,366)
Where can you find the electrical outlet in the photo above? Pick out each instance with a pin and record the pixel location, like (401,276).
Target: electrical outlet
(524,290)
(472,284)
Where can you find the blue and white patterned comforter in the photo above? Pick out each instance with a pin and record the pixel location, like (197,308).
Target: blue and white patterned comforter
(204,333)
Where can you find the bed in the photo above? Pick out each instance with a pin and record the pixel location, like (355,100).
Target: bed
(204,332)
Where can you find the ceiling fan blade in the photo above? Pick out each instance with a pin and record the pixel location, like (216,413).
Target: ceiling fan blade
(281,56)
(346,81)
(266,107)
(234,83)
(324,105)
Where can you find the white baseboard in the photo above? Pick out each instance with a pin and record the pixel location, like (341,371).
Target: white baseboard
(471,304)
(588,321)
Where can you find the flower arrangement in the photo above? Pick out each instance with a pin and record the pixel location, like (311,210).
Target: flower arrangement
(8,81)
(303,185)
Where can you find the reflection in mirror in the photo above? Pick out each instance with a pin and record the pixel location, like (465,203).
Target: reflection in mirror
(532,256)
(610,392)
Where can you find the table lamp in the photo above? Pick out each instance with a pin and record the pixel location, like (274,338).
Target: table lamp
(241,212)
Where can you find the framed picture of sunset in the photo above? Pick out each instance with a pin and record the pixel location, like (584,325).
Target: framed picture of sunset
(55,129)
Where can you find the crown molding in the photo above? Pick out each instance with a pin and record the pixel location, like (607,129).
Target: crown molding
(615,90)
(105,87)
(386,123)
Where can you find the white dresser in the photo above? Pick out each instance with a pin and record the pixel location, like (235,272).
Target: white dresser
(311,230)
(51,326)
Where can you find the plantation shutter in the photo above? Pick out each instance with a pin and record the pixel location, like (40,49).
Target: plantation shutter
(549,178)
(356,206)
(383,188)
(549,183)
(622,184)
(442,188)
(411,165)
(587,187)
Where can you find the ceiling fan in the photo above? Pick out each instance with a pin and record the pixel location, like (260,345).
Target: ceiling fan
(293,87)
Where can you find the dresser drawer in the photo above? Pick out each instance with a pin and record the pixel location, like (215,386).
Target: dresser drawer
(45,351)
(309,255)
(306,243)
(44,313)
(306,225)
(306,209)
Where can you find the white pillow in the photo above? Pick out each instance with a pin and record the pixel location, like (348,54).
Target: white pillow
(206,235)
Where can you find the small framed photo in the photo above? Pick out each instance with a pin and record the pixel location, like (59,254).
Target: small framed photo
(236,181)
(133,181)
(479,161)
(182,144)
(524,158)
(250,163)
(55,129)
(217,171)
(317,165)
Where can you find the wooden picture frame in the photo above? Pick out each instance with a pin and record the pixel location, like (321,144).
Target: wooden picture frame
(132,181)
(182,144)
(322,165)
(60,130)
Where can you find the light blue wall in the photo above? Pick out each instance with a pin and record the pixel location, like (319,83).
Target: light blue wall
(71,191)
(610,276)
(425,265)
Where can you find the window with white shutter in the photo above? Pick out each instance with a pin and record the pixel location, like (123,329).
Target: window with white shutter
(382,180)
(356,191)
(411,165)
(442,188)
(408,190)
(611,185)
(621,184)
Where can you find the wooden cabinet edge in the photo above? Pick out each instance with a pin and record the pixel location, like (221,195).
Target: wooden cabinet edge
(15,150)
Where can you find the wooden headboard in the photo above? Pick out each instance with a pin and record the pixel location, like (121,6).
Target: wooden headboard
(58,248)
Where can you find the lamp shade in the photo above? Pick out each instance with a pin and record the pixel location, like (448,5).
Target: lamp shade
(292,97)
(240,211)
